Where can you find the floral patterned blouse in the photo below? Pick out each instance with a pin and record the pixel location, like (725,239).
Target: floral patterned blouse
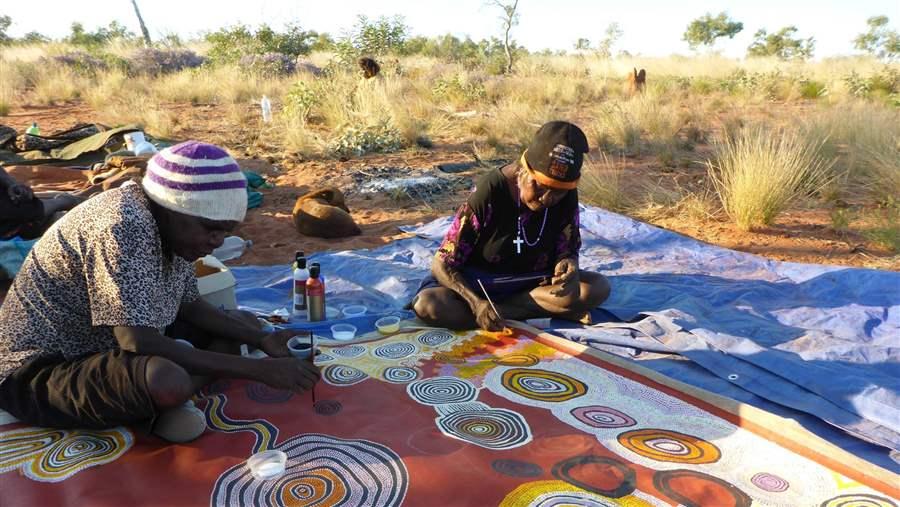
(483,234)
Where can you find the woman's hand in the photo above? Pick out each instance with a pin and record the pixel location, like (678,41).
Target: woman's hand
(486,317)
(274,344)
(289,373)
(565,278)
(19,193)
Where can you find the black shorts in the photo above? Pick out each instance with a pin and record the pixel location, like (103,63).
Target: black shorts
(16,218)
(95,391)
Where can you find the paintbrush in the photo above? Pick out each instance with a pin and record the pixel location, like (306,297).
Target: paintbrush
(312,339)
(506,330)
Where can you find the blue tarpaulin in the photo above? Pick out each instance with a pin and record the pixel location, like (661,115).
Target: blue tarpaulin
(820,344)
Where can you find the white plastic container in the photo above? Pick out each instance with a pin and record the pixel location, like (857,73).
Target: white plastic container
(267,465)
(343,332)
(388,325)
(136,143)
(266,105)
(300,347)
(232,248)
(351,311)
(215,283)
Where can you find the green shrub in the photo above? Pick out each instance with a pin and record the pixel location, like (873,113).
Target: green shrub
(357,141)
(299,100)
(760,173)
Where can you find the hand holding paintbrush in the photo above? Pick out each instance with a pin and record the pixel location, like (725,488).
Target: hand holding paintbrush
(504,329)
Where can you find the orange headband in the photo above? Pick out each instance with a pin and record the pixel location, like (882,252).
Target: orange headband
(545,180)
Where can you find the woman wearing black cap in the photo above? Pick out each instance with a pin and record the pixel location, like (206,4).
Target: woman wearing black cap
(517,234)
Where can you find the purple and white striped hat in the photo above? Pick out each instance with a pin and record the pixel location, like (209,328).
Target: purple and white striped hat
(197,179)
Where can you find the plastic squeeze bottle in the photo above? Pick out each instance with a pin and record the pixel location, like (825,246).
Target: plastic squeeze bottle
(301,275)
(315,294)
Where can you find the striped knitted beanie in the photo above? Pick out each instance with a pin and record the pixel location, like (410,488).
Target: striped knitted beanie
(197,179)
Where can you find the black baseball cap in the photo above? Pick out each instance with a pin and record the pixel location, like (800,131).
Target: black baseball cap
(555,155)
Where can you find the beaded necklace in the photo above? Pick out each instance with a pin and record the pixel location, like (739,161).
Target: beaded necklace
(520,230)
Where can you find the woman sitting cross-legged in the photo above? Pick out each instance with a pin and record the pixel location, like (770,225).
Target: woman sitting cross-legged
(82,341)
(517,235)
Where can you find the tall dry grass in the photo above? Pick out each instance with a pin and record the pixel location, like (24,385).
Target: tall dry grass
(601,183)
(761,172)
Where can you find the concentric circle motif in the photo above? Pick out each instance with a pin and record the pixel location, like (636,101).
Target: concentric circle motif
(400,374)
(342,375)
(442,390)
(327,407)
(262,393)
(55,455)
(321,470)
(597,474)
(597,416)
(323,358)
(691,488)
(520,360)
(859,500)
(491,428)
(435,337)
(671,446)
(542,385)
(396,350)
(557,493)
(770,482)
(349,351)
(516,468)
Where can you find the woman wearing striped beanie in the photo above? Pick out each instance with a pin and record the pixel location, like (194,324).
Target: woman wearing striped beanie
(86,329)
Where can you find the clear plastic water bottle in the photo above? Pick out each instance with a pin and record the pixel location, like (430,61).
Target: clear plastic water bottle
(232,248)
(266,105)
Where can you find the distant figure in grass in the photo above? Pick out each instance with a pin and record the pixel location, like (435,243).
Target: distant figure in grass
(26,215)
(369,67)
(636,82)
(518,234)
(86,331)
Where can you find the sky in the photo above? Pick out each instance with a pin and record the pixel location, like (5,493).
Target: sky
(651,27)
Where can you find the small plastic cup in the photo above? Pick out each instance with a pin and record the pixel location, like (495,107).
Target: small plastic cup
(343,332)
(351,311)
(388,325)
(299,348)
(267,465)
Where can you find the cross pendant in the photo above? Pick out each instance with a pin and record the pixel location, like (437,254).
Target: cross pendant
(518,241)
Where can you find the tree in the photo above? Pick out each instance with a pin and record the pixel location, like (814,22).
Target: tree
(781,44)
(704,30)
(879,41)
(612,34)
(582,44)
(5,21)
(34,38)
(508,20)
(141,22)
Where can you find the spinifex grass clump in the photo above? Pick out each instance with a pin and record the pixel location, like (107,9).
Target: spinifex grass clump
(759,173)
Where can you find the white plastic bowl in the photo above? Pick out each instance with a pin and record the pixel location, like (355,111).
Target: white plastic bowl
(343,332)
(267,465)
(300,347)
(351,311)
(388,325)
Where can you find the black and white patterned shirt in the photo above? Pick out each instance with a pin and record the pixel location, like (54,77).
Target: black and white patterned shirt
(100,266)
